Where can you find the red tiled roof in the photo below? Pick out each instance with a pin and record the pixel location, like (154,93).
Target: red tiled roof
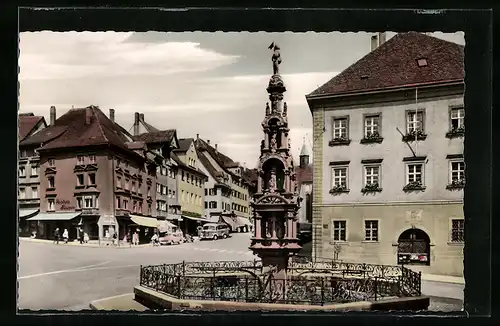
(27,122)
(99,131)
(304,174)
(136,145)
(43,136)
(394,64)
(156,136)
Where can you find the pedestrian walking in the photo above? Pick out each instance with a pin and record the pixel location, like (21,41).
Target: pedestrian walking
(135,239)
(85,237)
(155,240)
(65,235)
(115,237)
(56,236)
(81,236)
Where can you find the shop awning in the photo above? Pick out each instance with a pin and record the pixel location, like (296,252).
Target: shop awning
(242,221)
(27,212)
(214,219)
(54,216)
(195,218)
(149,222)
(165,226)
(230,221)
(174,217)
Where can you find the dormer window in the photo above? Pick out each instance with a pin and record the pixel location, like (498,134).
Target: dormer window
(422,62)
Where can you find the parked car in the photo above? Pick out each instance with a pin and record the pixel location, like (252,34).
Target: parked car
(168,238)
(214,231)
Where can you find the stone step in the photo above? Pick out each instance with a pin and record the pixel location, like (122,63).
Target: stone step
(124,302)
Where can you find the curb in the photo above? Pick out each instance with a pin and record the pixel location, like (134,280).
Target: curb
(113,303)
(77,244)
(443,279)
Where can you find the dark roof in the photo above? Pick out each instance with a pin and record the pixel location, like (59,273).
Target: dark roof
(221,159)
(28,122)
(304,174)
(184,144)
(161,136)
(148,127)
(185,166)
(136,145)
(208,165)
(77,133)
(394,64)
(251,175)
(43,136)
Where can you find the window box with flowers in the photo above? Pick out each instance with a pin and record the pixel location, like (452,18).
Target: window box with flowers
(456,184)
(371,138)
(339,189)
(414,186)
(456,132)
(371,187)
(414,135)
(340,131)
(339,141)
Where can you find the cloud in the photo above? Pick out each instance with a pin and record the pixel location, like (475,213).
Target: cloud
(50,55)
(212,84)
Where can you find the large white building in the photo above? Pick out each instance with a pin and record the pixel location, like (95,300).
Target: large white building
(227,190)
(388,157)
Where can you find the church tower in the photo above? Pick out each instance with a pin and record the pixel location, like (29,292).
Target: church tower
(276,202)
(304,156)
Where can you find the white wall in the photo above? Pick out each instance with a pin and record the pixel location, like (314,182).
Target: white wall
(392,150)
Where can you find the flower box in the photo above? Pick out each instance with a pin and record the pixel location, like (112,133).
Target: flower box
(414,186)
(456,132)
(415,134)
(339,190)
(456,184)
(339,141)
(371,187)
(372,137)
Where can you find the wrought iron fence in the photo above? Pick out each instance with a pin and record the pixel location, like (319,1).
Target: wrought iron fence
(245,281)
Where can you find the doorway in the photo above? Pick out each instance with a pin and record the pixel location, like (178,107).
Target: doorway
(414,248)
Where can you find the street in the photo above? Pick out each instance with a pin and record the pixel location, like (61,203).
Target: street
(67,277)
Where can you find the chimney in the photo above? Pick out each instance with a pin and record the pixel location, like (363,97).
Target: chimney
(112,115)
(136,123)
(374,42)
(197,136)
(52,115)
(208,141)
(381,38)
(141,116)
(216,148)
(88,115)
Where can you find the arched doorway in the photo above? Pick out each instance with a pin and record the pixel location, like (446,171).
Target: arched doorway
(414,247)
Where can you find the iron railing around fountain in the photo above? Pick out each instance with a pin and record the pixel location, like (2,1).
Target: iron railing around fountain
(245,281)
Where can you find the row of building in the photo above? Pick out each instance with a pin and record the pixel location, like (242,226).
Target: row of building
(389,169)
(83,171)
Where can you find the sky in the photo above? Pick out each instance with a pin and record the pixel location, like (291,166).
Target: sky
(211,84)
